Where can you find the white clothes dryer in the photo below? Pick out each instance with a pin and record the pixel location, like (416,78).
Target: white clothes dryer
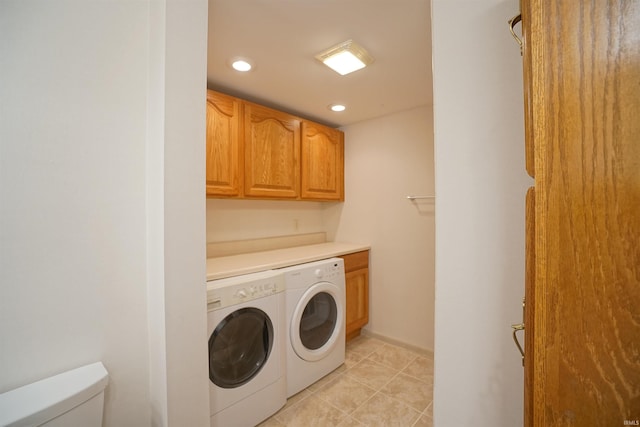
(246,325)
(315,301)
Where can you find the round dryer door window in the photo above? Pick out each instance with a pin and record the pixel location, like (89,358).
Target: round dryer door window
(316,321)
(239,347)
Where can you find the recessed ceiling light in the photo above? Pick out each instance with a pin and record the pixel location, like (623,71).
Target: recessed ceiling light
(337,107)
(241,64)
(345,57)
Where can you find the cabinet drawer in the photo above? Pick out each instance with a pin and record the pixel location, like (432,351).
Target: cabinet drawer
(356,261)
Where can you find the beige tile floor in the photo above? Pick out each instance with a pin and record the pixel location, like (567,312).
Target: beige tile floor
(380,384)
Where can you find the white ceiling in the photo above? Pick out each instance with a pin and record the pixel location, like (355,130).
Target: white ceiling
(283,36)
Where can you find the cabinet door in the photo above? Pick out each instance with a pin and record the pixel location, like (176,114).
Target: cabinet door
(357,293)
(272,153)
(224,145)
(322,167)
(356,267)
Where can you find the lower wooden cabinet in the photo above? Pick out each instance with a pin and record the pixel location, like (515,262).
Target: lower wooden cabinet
(356,267)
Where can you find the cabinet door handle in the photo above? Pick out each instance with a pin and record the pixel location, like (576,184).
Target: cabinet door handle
(512,23)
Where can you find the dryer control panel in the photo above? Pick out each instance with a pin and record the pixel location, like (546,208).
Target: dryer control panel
(235,290)
(303,275)
(328,271)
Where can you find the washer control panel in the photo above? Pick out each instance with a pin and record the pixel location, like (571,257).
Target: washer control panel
(236,290)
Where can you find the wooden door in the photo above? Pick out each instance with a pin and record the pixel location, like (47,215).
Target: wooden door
(584,88)
(224,145)
(272,153)
(322,169)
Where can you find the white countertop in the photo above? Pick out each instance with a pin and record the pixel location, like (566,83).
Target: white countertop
(235,265)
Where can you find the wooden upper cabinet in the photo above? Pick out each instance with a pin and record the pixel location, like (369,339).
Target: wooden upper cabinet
(322,169)
(224,145)
(272,153)
(258,152)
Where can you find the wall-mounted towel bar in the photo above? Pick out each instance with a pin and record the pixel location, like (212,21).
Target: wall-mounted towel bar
(420,197)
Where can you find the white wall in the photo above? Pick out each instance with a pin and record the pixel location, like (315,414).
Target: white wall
(254,219)
(75,229)
(387,159)
(176,213)
(481,183)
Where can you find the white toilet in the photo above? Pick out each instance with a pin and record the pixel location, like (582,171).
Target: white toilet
(73,398)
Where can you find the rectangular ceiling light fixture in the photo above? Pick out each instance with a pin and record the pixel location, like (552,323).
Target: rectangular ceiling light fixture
(345,58)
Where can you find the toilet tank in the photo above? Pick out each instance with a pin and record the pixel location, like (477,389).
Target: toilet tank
(72,398)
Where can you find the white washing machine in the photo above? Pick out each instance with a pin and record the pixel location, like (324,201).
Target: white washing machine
(247,353)
(315,300)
